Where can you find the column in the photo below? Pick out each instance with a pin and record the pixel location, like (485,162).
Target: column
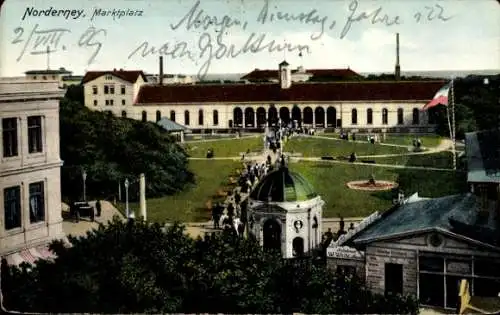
(314,118)
(244,123)
(182,136)
(325,119)
(142,195)
(255,120)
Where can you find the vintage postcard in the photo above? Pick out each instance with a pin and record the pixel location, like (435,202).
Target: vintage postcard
(250,156)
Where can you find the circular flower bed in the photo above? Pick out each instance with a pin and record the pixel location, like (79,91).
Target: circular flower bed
(366,185)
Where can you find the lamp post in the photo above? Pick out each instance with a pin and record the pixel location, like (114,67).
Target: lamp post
(84,177)
(126,198)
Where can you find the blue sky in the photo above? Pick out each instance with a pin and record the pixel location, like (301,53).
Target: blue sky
(469,40)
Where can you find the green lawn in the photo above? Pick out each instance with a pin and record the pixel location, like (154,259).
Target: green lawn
(224,148)
(407,139)
(401,139)
(316,147)
(330,180)
(437,160)
(190,205)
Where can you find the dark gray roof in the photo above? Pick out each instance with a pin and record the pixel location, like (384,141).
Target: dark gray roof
(171,126)
(283,185)
(455,214)
(59,71)
(483,156)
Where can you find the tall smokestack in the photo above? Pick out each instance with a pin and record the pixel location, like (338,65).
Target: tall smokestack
(397,71)
(160,81)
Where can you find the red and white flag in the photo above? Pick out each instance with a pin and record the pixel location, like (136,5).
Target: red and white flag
(441,98)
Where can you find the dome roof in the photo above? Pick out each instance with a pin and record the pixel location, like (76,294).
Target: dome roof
(282,185)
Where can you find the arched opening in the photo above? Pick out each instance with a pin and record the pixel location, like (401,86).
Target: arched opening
(261,117)
(431,115)
(331,117)
(369,116)
(144,116)
(400,116)
(416,116)
(354,116)
(272,116)
(319,115)
(186,118)
(172,115)
(296,115)
(124,114)
(285,115)
(237,117)
(200,117)
(249,117)
(308,116)
(298,246)
(272,235)
(385,116)
(158,116)
(216,117)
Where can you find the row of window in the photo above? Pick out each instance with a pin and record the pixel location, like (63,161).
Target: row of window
(44,77)
(13,206)
(109,102)
(10,136)
(354,116)
(108,89)
(385,116)
(186,117)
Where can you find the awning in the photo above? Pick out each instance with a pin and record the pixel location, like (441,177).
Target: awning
(30,255)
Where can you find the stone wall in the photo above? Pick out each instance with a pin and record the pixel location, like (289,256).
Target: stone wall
(377,257)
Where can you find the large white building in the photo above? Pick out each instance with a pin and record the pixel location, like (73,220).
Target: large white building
(356,105)
(30,165)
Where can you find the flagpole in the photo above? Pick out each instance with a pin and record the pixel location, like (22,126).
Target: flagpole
(453,124)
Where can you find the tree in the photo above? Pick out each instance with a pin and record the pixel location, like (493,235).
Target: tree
(137,267)
(111,149)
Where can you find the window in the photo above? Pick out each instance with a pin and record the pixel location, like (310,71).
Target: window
(158,116)
(385,116)
(416,116)
(95,102)
(172,115)
(109,77)
(9,135)
(144,116)
(354,117)
(35,134)
(216,117)
(37,202)
(124,114)
(186,118)
(111,102)
(123,102)
(431,113)
(106,89)
(369,116)
(53,77)
(44,77)
(122,88)
(12,206)
(393,278)
(400,116)
(111,89)
(200,117)
(94,90)
(107,102)
(34,77)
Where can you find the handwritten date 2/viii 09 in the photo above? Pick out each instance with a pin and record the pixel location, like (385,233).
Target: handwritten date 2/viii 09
(45,41)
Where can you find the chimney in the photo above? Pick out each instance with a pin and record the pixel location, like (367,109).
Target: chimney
(160,81)
(397,72)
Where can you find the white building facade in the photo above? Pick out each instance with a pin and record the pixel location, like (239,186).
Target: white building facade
(357,106)
(30,182)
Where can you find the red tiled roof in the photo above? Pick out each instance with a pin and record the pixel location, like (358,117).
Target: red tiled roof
(127,75)
(298,92)
(273,74)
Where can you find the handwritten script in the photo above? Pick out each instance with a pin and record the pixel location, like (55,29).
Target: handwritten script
(215,34)
(45,41)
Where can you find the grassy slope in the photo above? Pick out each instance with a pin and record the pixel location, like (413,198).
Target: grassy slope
(224,148)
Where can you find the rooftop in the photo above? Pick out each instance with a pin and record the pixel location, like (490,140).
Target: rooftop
(268,74)
(127,75)
(283,185)
(483,156)
(455,214)
(170,126)
(48,71)
(298,92)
